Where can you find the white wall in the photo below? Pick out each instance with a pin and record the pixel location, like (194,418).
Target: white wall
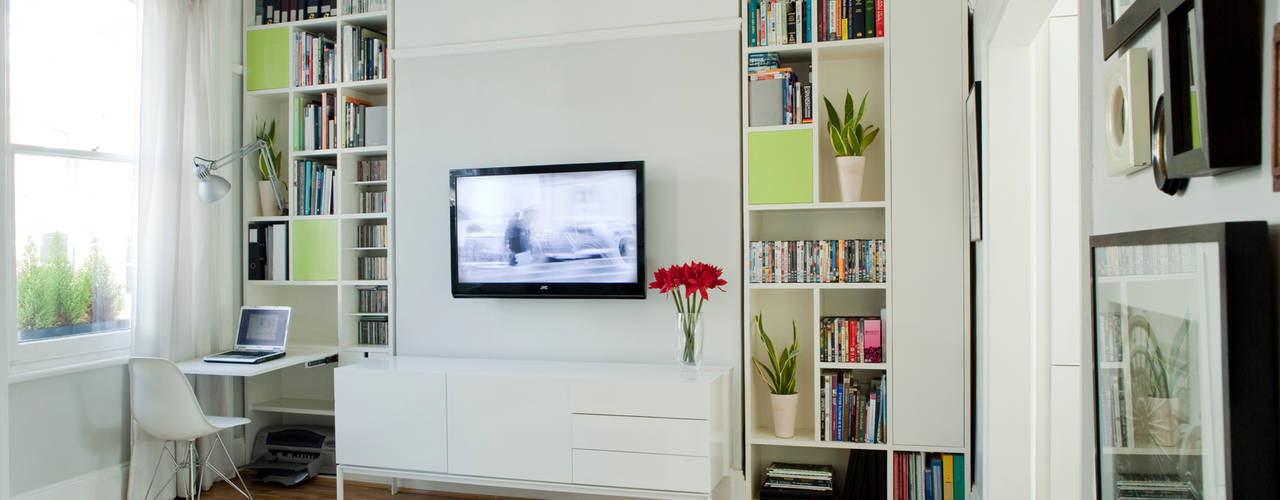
(67,426)
(670,100)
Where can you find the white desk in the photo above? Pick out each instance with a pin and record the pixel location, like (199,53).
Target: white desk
(294,355)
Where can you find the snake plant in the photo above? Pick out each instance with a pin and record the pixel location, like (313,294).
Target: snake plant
(780,373)
(848,136)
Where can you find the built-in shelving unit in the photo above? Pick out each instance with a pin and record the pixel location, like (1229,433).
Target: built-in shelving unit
(323,283)
(800,199)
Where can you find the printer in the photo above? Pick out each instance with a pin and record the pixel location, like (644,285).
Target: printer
(290,454)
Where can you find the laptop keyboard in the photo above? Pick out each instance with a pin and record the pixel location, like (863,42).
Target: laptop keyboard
(247,354)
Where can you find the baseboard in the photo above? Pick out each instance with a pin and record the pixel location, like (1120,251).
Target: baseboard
(105,484)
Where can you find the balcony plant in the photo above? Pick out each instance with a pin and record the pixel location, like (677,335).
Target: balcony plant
(780,376)
(850,139)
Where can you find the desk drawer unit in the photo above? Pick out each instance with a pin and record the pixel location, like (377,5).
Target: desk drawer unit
(641,434)
(642,470)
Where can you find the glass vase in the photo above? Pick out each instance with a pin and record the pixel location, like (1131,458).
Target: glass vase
(689,339)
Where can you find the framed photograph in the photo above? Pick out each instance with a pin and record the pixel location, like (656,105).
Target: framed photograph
(1122,20)
(973,146)
(1184,358)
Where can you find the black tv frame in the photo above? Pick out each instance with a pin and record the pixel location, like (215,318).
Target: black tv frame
(634,290)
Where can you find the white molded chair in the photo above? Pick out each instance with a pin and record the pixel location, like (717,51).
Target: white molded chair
(165,406)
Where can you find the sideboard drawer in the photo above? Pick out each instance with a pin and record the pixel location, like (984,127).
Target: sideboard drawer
(642,398)
(642,470)
(642,434)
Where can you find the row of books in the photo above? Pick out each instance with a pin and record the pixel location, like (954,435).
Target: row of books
(371,268)
(1146,259)
(314,184)
(372,330)
(852,410)
(1162,486)
(788,480)
(283,11)
(318,128)
(932,476)
(364,124)
(1113,411)
(776,94)
(371,236)
(316,62)
(851,340)
(778,22)
(364,54)
(818,261)
(849,19)
(362,6)
(1111,337)
(371,170)
(372,202)
(372,299)
(268,251)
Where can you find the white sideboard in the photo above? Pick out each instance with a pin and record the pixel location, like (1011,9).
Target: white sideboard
(597,428)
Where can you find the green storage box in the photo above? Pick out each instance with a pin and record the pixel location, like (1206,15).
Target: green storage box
(780,167)
(315,250)
(267,59)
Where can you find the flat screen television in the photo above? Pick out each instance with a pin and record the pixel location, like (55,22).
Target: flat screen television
(573,230)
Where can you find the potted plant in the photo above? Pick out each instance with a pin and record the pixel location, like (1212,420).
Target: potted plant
(1163,377)
(266,192)
(688,285)
(850,140)
(780,376)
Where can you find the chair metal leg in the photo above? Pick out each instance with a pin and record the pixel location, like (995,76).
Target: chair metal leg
(191,468)
(243,488)
(164,446)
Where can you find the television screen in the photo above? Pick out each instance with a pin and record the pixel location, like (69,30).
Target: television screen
(546,231)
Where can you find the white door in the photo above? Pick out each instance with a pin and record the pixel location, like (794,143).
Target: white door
(510,427)
(392,419)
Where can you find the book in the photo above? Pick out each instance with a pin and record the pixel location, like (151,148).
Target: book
(880,18)
(858,20)
(257,249)
(959,477)
(948,477)
(279,252)
(375,126)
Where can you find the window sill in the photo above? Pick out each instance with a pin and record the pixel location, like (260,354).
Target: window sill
(26,372)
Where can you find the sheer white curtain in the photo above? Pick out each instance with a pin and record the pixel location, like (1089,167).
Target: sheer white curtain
(187,274)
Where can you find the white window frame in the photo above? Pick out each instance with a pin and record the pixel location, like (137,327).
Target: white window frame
(44,358)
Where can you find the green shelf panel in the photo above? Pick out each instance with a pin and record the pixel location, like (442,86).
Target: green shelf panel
(780,167)
(267,54)
(315,250)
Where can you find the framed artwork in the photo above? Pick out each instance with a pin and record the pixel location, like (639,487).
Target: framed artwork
(1122,20)
(973,146)
(1184,357)
(1275,108)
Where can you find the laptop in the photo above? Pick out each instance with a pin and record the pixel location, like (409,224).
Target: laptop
(261,337)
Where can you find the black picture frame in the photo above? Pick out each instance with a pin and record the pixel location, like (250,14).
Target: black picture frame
(973,158)
(1246,341)
(1216,48)
(1132,22)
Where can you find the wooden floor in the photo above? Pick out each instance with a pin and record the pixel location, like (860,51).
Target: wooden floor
(326,488)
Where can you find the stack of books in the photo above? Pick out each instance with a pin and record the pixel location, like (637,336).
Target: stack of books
(371,170)
(362,6)
(316,62)
(371,268)
(365,125)
(372,300)
(371,236)
(935,476)
(1113,410)
(1141,487)
(365,57)
(1111,342)
(850,19)
(268,251)
(373,202)
(319,129)
(784,481)
(314,183)
(283,11)
(372,330)
(852,410)
(778,22)
(851,340)
(817,261)
(777,95)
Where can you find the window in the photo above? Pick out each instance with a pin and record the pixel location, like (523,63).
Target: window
(71,113)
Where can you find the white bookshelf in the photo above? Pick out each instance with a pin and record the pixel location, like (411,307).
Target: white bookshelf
(325,311)
(831,67)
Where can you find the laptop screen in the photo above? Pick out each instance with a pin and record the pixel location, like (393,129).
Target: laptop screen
(263,327)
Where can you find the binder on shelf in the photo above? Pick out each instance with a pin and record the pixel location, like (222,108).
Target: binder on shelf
(280,252)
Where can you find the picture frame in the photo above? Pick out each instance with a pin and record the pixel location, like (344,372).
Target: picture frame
(1184,363)
(973,158)
(1122,20)
(1275,108)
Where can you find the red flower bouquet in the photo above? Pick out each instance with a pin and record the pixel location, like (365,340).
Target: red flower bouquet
(688,285)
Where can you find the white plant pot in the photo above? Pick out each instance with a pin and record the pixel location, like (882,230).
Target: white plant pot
(268,198)
(850,170)
(784,414)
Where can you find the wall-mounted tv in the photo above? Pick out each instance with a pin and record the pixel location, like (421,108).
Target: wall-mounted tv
(574,230)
